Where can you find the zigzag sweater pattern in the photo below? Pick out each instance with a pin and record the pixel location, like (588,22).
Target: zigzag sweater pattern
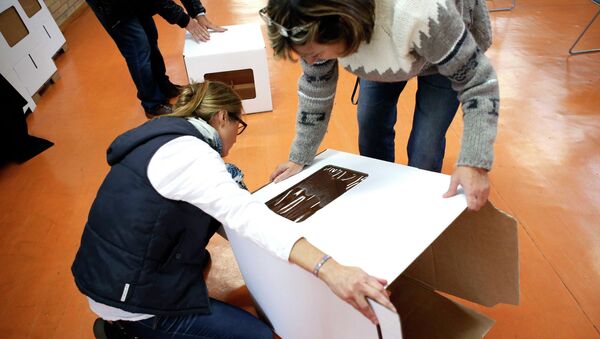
(412,38)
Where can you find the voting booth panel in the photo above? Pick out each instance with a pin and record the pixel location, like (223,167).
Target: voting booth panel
(395,225)
(236,57)
(30,38)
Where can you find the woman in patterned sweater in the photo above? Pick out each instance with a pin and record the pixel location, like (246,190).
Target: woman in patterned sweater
(386,43)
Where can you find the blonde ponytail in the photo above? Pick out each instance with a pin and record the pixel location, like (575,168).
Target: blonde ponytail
(203,100)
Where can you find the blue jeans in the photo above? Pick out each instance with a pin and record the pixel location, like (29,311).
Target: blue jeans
(225,322)
(436,105)
(137,40)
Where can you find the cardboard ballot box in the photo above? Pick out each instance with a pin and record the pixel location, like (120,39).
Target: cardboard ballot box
(236,57)
(394,224)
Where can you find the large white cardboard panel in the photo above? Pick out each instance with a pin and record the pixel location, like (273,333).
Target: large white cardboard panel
(380,225)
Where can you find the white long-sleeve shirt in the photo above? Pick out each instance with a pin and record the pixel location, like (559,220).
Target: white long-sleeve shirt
(188,169)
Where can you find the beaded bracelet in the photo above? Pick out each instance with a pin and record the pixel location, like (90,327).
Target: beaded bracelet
(320,264)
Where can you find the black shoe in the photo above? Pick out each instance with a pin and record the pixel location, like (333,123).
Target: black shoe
(105,330)
(171,90)
(158,110)
(99,329)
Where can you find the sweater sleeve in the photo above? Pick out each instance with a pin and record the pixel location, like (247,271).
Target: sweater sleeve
(187,169)
(448,44)
(316,93)
(193,7)
(172,12)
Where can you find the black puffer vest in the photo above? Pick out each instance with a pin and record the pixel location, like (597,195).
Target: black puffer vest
(141,252)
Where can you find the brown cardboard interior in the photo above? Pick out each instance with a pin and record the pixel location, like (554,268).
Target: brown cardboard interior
(426,314)
(30,7)
(241,80)
(476,259)
(12,27)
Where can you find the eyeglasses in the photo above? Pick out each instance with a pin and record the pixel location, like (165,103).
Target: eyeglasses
(296,34)
(242,125)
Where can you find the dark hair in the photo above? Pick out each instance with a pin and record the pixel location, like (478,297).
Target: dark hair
(325,22)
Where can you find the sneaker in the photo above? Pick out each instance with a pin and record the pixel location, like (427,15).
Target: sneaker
(158,110)
(171,90)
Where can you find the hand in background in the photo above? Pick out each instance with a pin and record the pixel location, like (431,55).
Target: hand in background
(285,170)
(198,32)
(207,24)
(475,183)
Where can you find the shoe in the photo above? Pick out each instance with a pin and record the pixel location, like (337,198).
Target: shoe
(158,110)
(106,330)
(171,90)
(99,329)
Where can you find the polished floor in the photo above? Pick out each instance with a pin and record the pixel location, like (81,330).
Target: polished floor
(546,172)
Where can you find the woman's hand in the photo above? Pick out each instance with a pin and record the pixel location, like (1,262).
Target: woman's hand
(354,286)
(475,183)
(285,170)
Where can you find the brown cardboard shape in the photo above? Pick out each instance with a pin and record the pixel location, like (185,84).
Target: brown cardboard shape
(475,258)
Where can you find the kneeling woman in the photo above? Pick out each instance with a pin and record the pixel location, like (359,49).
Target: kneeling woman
(142,253)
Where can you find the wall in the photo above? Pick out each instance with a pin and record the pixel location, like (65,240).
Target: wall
(63,9)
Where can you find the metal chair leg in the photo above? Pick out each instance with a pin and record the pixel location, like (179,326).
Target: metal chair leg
(503,9)
(573,52)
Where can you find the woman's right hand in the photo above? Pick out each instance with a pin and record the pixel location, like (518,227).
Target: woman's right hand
(199,33)
(285,170)
(354,286)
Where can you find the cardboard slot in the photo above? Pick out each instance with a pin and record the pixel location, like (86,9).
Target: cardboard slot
(12,27)
(241,80)
(31,7)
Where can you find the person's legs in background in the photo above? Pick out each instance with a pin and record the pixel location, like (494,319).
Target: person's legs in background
(156,59)
(133,43)
(377,115)
(225,322)
(436,105)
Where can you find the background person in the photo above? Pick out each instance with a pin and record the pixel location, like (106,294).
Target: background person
(130,24)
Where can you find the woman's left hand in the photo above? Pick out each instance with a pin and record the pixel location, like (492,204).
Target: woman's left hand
(475,183)
(354,286)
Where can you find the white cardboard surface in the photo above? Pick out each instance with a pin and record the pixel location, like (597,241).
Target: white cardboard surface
(397,212)
(40,45)
(240,47)
(381,225)
(389,321)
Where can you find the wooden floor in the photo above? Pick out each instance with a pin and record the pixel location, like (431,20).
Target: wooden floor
(546,172)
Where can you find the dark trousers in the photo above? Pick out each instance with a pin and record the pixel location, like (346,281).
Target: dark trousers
(137,40)
(225,322)
(436,105)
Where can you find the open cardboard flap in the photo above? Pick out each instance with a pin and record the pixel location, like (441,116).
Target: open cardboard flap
(476,259)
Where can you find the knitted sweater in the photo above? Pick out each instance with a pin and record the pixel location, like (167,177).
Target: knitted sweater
(412,38)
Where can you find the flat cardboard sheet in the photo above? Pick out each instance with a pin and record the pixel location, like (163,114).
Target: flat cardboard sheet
(394,214)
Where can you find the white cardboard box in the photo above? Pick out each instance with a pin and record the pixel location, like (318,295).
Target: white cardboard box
(241,47)
(395,225)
